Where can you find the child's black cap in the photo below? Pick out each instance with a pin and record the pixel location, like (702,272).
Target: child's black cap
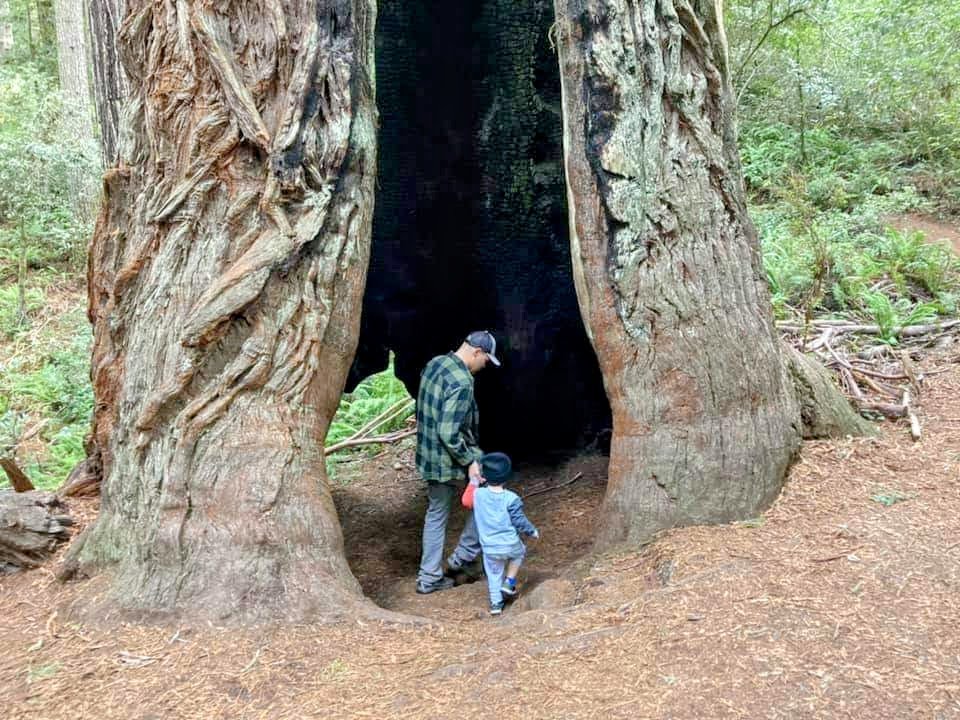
(496,468)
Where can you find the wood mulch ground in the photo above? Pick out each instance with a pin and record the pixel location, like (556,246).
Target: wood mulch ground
(840,601)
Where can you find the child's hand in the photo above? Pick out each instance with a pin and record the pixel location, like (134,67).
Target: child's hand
(536,535)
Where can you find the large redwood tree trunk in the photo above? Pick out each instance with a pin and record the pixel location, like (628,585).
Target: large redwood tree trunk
(706,417)
(226,274)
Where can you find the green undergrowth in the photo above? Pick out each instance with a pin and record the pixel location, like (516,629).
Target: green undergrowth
(371,398)
(824,225)
(46,399)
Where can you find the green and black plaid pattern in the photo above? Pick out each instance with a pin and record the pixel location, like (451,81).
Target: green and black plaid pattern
(447,420)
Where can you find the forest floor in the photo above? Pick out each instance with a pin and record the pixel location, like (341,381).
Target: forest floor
(934,229)
(842,600)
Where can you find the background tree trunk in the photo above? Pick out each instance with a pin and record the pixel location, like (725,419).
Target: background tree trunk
(72,64)
(667,267)
(75,90)
(6,28)
(110,84)
(226,275)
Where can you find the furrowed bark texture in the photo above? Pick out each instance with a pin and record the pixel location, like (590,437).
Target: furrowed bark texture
(226,275)
(667,267)
(110,83)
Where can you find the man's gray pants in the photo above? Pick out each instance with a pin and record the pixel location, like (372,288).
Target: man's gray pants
(440,497)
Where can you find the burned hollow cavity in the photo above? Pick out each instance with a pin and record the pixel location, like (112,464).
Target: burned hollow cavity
(470,226)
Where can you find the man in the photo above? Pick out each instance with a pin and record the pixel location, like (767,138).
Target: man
(448,452)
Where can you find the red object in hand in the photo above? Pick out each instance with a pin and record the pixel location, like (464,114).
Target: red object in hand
(467,498)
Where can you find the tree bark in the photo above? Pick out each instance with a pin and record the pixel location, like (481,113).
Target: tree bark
(110,83)
(667,267)
(225,277)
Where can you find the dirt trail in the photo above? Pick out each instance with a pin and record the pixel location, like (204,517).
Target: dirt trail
(935,229)
(841,601)
(382,515)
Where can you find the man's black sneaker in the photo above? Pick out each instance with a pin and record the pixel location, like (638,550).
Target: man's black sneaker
(464,572)
(441,584)
(496,608)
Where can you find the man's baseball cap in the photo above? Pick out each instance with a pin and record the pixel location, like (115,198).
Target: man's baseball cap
(485,341)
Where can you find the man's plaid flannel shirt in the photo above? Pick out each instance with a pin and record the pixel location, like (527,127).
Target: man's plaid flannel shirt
(447,420)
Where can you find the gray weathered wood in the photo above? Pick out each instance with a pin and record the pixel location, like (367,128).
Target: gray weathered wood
(32,524)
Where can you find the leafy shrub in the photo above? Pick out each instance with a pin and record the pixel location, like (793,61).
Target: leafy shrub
(41,166)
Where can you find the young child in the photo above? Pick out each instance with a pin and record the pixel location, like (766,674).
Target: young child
(500,521)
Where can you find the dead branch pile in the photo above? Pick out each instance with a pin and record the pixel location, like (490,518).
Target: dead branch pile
(365,436)
(880,379)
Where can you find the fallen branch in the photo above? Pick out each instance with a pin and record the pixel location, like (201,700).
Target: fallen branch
(18,478)
(914,427)
(386,416)
(845,553)
(889,410)
(874,373)
(906,362)
(571,481)
(914,421)
(375,440)
(916,330)
(851,383)
(841,327)
(878,387)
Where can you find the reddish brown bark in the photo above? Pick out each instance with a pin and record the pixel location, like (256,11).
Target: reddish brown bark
(225,275)
(667,266)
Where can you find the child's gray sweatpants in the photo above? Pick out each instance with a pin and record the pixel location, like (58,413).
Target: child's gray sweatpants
(495,567)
